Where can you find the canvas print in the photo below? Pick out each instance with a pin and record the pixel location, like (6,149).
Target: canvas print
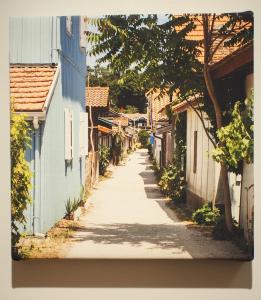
(132,136)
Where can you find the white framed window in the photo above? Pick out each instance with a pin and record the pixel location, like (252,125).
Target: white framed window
(69,25)
(68,134)
(83,134)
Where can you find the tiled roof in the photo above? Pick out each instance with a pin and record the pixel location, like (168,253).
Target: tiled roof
(97,96)
(198,35)
(29,86)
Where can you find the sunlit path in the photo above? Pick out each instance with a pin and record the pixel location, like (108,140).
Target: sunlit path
(128,219)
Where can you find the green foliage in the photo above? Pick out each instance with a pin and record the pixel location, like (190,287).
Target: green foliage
(172,182)
(82,196)
(159,53)
(126,94)
(71,206)
(104,159)
(143,136)
(236,141)
(206,215)
(243,28)
(117,146)
(180,136)
(150,151)
(130,109)
(20,173)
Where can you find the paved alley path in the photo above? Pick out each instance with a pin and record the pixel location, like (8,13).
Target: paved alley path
(127,218)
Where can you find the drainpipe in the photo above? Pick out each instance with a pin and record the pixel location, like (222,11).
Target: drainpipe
(36,203)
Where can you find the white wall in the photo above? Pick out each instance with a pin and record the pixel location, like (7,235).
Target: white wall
(247,190)
(202,182)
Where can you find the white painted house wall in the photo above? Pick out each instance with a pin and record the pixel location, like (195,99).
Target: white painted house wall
(200,183)
(205,185)
(247,190)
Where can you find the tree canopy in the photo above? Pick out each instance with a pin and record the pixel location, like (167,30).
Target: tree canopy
(128,96)
(158,52)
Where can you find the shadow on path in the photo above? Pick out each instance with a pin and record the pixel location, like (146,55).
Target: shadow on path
(159,235)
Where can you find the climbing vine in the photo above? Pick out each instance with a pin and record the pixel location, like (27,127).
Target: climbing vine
(20,173)
(237,138)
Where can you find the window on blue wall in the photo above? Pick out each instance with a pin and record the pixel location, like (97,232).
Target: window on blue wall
(69,25)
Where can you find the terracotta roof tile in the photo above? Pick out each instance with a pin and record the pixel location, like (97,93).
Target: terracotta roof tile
(29,86)
(97,96)
(197,35)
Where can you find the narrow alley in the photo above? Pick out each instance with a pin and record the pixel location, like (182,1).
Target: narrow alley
(127,218)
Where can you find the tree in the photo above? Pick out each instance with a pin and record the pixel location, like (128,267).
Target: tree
(122,93)
(160,54)
(168,59)
(144,138)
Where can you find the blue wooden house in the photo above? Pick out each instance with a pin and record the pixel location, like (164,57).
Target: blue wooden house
(47,82)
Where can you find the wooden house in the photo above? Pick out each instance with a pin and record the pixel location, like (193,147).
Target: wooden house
(97,105)
(234,75)
(159,124)
(47,82)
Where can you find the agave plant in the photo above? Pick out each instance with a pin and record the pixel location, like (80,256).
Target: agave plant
(70,207)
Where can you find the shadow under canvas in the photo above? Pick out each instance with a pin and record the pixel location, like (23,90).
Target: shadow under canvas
(132,273)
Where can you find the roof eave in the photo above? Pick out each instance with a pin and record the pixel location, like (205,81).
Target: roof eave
(41,115)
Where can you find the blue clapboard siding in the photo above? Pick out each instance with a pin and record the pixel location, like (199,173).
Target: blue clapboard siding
(33,40)
(61,181)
